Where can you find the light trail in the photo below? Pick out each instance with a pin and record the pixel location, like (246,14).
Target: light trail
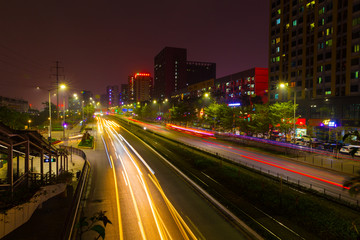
(267,162)
(116,194)
(134,202)
(162,230)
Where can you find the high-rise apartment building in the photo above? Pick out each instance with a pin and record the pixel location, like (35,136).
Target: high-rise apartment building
(123,96)
(315,50)
(139,87)
(112,93)
(169,71)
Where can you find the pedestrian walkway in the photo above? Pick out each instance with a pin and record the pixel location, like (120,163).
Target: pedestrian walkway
(48,221)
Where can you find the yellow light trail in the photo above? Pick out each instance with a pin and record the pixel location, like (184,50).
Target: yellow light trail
(172,209)
(134,202)
(117,201)
(180,222)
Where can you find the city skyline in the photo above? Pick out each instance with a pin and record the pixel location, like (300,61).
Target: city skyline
(98,45)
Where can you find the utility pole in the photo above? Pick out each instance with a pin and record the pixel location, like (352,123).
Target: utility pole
(57,85)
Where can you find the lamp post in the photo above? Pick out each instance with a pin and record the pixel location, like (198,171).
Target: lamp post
(62,86)
(282,85)
(29,121)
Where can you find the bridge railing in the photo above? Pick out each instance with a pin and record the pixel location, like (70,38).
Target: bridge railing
(70,232)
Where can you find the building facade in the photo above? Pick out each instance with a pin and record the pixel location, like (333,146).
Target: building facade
(245,87)
(140,86)
(199,71)
(169,72)
(123,95)
(112,94)
(315,50)
(15,104)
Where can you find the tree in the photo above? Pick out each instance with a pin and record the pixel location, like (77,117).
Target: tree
(89,111)
(183,112)
(13,119)
(282,116)
(212,114)
(260,122)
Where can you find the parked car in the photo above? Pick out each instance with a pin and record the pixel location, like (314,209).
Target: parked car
(348,148)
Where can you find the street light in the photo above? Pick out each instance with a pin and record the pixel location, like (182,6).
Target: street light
(29,121)
(282,85)
(62,86)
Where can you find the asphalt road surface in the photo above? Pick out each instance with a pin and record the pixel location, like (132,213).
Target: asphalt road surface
(145,198)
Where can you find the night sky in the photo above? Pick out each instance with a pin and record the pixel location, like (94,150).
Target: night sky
(100,43)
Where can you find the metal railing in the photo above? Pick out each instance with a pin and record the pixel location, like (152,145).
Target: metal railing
(320,189)
(73,215)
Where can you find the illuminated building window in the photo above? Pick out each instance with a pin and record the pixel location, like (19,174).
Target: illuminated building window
(276,96)
(322,10)
(328,93)
(319,79)
(294,23)
(278,49)
(278,21)
(356,21)
(329,31)
(356,48)
(329,43)
(279,11)
(287,26)
(355,75)
(277,40)
(278,59)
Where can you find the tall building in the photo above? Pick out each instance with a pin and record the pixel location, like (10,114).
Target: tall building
(172,72)
(169,72)
(112,93)
(199,71)
(123,96)
(315,50)
(139,87)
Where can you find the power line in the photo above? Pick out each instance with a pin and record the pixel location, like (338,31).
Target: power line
(57,67)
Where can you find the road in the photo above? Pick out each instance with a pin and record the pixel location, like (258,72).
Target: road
(144,198)
(317,178)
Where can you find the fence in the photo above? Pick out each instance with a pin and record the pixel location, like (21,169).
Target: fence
(329,160)
(73,215)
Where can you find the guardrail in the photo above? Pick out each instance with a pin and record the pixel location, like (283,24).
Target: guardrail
(311,156)
(342,198)
(282,177)
(73,215)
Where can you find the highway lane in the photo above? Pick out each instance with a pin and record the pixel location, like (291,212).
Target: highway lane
(319,178)
(153,201)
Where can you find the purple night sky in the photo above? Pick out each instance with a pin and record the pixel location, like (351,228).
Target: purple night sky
(100,43)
